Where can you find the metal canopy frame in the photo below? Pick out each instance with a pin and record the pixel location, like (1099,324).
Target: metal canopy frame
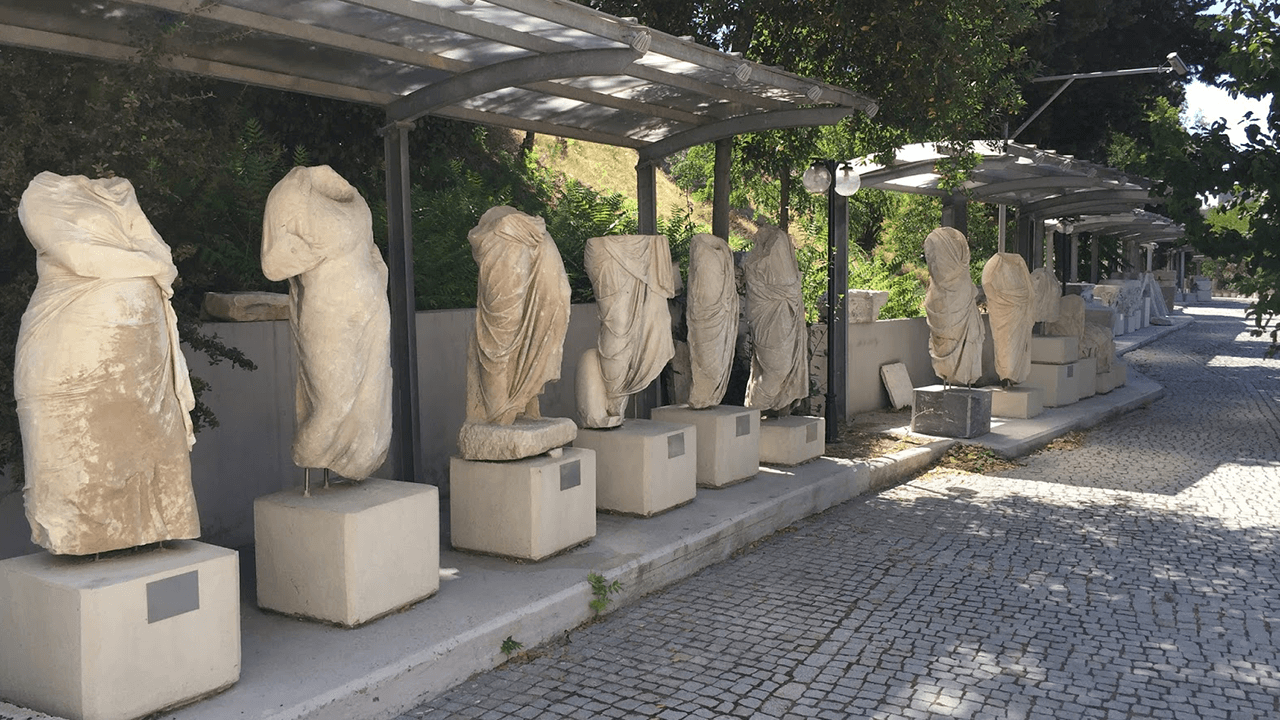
(546,66)
(1023,176)
(1040,184)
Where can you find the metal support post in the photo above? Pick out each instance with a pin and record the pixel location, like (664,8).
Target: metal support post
(406,450)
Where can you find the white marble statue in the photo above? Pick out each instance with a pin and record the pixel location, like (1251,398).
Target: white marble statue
(633,279)
(775,312)
(103,393)
(1070,321)
(712,318)
(1047,293)
(956,331)
(516,347)
(317,232)
(1011,307)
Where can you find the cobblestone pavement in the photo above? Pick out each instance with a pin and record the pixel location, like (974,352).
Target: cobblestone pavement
(1136,576)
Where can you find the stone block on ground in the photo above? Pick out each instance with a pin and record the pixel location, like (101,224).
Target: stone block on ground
(792,440)
(728,441)
(1056,382)
(1086,377)
(349,553)
(121,637)
(527,509)
(1055,349)
(951,412)
(898,382)
(643,467)
(1016,402)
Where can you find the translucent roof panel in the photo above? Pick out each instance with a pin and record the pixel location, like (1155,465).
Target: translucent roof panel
(544,65)
(1036,181)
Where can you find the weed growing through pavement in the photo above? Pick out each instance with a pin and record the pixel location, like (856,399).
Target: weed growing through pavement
(601,590)
(510,645)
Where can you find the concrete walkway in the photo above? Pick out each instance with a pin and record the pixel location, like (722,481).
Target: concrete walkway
(294,669)
(1135,576)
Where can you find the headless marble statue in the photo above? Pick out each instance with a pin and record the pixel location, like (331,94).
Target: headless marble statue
(712,319)
(516,347)
(103,393)
(317,232)
(1011,307)
(633,279)
(1047,293)
(956,332)
(775,311)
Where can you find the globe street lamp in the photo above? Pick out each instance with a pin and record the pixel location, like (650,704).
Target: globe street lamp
(837,181)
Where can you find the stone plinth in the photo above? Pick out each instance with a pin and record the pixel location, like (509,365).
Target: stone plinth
(1086,377)
(1054,349)
(247,306)
(523,438)
(349,553)
(644,467)
(1117,377)
(728,441)
(121,637)
(1017,402)
(1056,382)
(792,440)
(951,412)
(526,509)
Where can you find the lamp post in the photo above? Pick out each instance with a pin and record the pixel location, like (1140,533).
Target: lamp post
(1172,64)
(837,182)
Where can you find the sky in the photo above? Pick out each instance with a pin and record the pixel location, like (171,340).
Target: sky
(1210,103)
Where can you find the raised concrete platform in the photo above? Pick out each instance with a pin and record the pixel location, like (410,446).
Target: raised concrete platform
(643,467)
(121,637)
(295,670)
(1014,437)
(348,553)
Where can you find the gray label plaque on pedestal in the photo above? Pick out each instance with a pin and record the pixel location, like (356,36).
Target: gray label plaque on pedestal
(570,475)
(675,445)
(811,432)
(744,425)
(173,596)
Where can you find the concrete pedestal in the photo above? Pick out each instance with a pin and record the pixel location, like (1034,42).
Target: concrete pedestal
(121,637)
(1116,377)
(951,412)
(1054,349)
(1086,377)
(1056,382)
(527,509)
(792,440)
(728,441)
(644,467)
(1017,402)
(349,553)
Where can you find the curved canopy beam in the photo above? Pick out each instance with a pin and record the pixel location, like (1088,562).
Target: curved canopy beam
(1049,182)
(1090,201)
(511,73)
(804,117)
